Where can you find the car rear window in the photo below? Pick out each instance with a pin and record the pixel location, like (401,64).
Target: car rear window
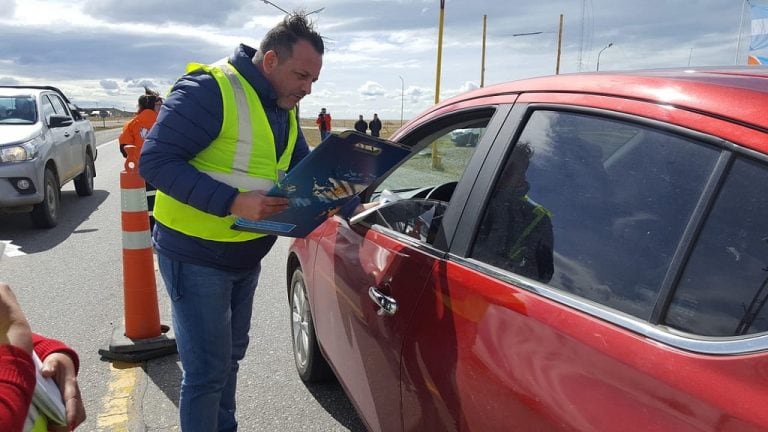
(724,287)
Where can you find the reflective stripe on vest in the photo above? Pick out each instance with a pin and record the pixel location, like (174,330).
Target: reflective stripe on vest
(518,248)
(242,156)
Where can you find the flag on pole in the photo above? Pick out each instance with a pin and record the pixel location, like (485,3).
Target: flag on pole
(758,45)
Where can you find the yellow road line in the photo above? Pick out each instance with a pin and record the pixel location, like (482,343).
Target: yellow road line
(113,415)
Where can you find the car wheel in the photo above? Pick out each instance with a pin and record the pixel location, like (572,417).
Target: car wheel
(84,182)
(310,362)
(46,214)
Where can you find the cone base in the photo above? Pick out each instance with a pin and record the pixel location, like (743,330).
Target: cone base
(123,348)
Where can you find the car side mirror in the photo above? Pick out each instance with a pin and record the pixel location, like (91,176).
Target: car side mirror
(58,120)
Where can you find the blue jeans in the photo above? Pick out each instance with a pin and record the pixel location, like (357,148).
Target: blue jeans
(211,319)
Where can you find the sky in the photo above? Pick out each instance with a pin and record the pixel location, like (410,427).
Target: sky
(381,55)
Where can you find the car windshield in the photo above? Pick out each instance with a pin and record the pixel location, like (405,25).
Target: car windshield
(19,109)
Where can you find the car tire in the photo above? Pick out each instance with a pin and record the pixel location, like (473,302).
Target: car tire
(310,363)
(46,213)
(84,182)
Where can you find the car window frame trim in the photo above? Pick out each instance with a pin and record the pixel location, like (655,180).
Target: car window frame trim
(721,346)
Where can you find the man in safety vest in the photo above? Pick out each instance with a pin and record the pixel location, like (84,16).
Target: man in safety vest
(516,233)
(226,134)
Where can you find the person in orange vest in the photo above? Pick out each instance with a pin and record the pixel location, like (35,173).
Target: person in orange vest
(137,129)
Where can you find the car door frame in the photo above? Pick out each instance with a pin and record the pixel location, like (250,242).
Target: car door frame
(378,413)
(71,142)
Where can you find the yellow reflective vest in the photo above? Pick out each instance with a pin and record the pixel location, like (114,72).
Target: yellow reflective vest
(242,156)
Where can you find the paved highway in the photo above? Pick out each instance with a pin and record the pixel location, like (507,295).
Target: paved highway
(69,282)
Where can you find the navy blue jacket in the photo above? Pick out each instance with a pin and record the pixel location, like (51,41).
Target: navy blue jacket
(189,121)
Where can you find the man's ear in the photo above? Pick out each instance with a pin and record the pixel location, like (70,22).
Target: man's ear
(270,61)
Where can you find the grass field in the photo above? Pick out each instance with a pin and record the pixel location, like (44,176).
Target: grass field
(311,133)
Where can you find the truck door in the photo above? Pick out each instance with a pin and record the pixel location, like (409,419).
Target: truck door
(70,142)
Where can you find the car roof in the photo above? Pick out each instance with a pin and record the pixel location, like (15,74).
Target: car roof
(736,93)
(14,90)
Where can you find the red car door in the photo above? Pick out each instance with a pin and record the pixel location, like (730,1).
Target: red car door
(350,262)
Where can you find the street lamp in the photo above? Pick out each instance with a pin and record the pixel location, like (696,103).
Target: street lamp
(288,13)
(601,51)
(402,98)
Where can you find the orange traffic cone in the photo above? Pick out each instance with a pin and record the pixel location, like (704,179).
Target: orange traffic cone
(143,336)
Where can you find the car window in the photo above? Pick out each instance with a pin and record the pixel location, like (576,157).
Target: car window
(58,104)
(724,287)
(18,110)
(47,108)
(429,176)
(593,206)
(442,161)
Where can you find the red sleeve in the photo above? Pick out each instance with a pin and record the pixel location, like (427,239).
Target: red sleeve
(46,346)
(17,384)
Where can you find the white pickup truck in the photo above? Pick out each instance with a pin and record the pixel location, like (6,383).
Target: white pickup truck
(44,143)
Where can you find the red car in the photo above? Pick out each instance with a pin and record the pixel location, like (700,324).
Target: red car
(597,262)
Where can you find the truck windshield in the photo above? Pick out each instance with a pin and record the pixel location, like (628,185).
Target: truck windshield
(17,109)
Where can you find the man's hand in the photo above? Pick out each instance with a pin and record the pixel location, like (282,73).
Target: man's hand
(62,369)
(14,328)
(255,205)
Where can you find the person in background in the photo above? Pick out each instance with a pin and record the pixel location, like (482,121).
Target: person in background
(136,130)
(328,125)
(323,123)
(25,109)
(361,125)
(207,175)
(375,125)
(17,370)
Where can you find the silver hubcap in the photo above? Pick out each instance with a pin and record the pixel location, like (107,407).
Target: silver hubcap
(89,175)
(50,191)
(300,324)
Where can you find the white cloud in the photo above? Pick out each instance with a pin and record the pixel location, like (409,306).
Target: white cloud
(8,81)
(371,90)
(7,8)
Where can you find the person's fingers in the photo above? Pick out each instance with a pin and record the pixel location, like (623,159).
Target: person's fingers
(61,368)
(75,416)
(75,411)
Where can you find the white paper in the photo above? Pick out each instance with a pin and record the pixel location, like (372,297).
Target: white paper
(47,397)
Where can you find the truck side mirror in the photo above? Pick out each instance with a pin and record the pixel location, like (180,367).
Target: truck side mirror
(58,120)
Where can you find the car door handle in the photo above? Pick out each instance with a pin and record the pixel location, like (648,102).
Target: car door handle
(388,305)
(66,134)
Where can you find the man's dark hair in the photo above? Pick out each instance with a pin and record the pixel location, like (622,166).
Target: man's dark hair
(148,99)
(284,36)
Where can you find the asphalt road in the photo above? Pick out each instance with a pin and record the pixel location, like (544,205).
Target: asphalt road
(69,282)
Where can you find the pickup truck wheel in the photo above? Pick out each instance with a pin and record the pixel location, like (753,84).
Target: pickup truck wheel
(46,214)
(84,182)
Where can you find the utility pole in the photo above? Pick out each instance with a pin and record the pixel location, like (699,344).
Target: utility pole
(436,163)
(402,98)
(559,45)
(482,61)
(741,26)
